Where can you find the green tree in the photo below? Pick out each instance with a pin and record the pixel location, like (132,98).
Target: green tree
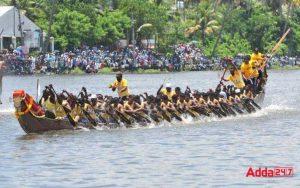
(206,21)
(71,28)
(293,39)
(231,46)
(111,26)
(262,27)
(146,12)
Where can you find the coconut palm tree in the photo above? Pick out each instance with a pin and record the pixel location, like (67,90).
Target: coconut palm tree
(206,22)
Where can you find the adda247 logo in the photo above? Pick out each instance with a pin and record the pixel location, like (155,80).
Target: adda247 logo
(269,172)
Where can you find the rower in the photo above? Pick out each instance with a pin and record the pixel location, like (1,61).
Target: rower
(48,102)
(257,62)
(121,84)
(178,91)
(257,57)
(60,106)
(236,78)
(247,70)
(90,107)
(76,110)
(168,91)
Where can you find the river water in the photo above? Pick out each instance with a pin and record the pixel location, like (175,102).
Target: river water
(210,152)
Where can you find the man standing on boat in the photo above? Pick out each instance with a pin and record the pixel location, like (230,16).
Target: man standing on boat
(121,84)
(247,70)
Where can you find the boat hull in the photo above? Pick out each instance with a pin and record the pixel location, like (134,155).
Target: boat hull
(33,124)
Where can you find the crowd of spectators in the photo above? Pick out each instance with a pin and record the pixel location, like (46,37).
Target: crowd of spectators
(92,60)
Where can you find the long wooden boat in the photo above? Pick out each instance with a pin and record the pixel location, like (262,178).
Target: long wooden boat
(31,123)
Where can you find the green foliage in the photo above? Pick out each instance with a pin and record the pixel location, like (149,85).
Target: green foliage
(230,26)
(106,70)
(78,71)
(261,27)
(148,71)
(111,26)
(230,46)
(146,12)
(71,28)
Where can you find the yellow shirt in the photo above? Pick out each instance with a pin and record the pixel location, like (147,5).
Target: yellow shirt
(260,61)
(49,105)
(257,57)
(246,70)
(121,86)
(59,110)
(76,111)
(254,65)
(168,94)
(237,80)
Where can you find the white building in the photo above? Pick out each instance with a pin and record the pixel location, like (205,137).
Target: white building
(9,26)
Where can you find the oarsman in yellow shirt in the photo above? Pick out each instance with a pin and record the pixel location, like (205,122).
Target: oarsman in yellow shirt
(236,78)
(256,56)
(247,70)
(258,63)
(121,85)
(168,91)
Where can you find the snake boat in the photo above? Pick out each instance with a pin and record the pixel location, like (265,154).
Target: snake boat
(30,118)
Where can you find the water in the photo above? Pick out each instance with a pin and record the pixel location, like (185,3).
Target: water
(210,152)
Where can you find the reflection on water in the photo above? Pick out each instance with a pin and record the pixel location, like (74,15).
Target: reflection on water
(28,137)
(206,152)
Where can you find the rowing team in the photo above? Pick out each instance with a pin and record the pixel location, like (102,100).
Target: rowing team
(143,109)
(251,72)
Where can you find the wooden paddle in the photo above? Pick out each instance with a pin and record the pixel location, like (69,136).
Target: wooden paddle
(84,96)
(222,77)
(277,45)
(91,120)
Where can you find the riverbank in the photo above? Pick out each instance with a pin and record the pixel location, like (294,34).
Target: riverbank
(287,67)
(107,70)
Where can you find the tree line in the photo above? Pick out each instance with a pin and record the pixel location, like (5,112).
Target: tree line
(218,27)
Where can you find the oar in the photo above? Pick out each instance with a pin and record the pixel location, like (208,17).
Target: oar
(122,116)
(225,70)
(71,120)
(143,117)
(111,115)
(176,116)
(277,45)
(84,97)
(255,104)
(163,113)
(214,110)
(237,108)
(249,108)
(91,120)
